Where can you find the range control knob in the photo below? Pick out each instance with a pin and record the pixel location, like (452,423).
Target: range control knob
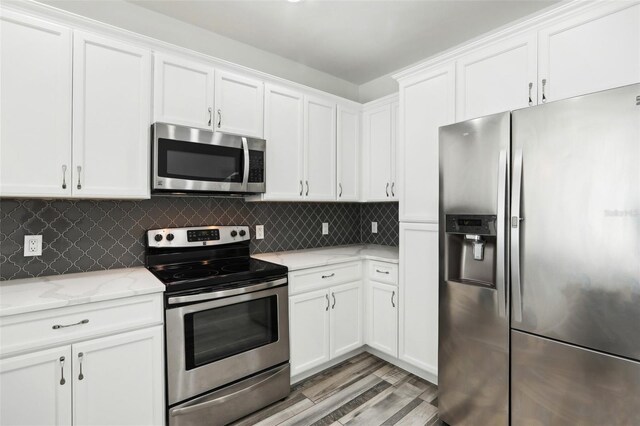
(242,233)
(169,237)
(234,233)
(158,237)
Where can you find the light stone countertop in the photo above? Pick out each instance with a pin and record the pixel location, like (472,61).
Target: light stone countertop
(311,258)
(36,294)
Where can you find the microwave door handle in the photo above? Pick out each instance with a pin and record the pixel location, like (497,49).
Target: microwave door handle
(245,177)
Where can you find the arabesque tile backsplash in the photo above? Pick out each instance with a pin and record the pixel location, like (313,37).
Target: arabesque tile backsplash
(87,235)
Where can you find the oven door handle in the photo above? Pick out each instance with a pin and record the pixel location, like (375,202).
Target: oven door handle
(245,176)
(176,300)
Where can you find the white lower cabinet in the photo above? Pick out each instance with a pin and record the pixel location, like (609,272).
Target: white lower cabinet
(382,317)
(346,318)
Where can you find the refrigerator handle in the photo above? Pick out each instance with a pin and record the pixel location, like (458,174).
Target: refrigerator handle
(516,287)
(501,234)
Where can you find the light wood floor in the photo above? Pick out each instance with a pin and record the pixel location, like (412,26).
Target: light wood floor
(363,390)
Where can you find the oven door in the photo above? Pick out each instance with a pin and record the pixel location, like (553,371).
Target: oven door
(187,159)
(215,342)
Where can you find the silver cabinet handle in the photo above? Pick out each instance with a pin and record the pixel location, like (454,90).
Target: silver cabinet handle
(79,171)
(393,295)
(301,188)
(329,276)
(59,326)
(501,282)
(340,186)
(530,98)
(307,193)
(387,189)
(544,85)
(393,185)
(334,300)
(327,296)
(382,272)
(516,289)
(64,176)
(210,116)
(80,359)
(219,118)
(62,380)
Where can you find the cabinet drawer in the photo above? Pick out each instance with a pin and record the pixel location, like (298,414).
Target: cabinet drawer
(326,276)
(36,329)
(383,272)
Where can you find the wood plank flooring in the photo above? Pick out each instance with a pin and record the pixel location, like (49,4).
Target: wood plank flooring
(361,391)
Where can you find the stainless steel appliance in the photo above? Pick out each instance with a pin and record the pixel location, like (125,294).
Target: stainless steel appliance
(185,160)
(540,264)
(227,328)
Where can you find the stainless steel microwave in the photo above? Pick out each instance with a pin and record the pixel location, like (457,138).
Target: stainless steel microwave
(190,160)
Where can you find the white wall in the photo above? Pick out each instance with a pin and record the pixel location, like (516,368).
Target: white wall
(134,18)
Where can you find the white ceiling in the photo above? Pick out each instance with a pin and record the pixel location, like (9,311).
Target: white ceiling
(357,41)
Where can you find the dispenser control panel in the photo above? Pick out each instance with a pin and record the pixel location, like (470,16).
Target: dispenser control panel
(474,224)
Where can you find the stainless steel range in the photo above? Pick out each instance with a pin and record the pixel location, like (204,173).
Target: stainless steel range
(227,328)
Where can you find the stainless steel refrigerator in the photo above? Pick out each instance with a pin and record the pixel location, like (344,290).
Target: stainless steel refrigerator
(540,264)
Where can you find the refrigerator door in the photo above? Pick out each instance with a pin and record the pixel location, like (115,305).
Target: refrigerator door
(473,354)
(575,225)
(559,384)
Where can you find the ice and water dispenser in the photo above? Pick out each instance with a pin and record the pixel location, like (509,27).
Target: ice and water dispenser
(471,249)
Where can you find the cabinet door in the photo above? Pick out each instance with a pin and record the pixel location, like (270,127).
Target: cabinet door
(309,330)
(239,105)
(597,50)
(426,103)
(35,124)
(183,92)
(419,295)
(497,78)
(348,154)
(111,118)
(382,317)
(284,132)
(35,389)
(320,150)
(377,141)
(119,380)
(395,133)
(346,318)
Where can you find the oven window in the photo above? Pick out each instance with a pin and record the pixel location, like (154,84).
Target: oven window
(197,161)
(222,332)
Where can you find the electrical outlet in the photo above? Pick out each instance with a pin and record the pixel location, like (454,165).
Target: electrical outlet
(33,245)
(259,232)
(374,227)
(325,228)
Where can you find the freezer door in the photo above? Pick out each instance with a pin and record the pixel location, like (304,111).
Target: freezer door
(554,383)
(575,221)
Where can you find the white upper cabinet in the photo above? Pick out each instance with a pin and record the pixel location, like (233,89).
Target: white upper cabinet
(594,51)
(377,142)
(111,118)
(320,149)
(348,154)
(183,92)
(500,77)
(395,136)
(284,132)
(35,72)
(426,103)
(239,105)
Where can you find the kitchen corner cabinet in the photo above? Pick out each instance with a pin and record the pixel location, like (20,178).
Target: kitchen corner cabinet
(379,141)
(35,72)
(348,148)
(427,101)
(595,50)
(320,149)
(239,105)
(183,92)
(500,77)
(111,118)
(382,317)
(418,325)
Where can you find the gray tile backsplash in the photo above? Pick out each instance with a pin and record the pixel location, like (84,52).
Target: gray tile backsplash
(87,235)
